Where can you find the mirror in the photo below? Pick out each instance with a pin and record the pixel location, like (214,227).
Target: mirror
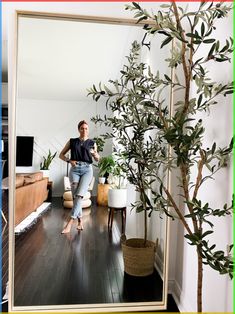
(58,58)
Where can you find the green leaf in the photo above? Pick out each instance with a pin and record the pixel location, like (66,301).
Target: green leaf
(197,42)
(212,50)
(220,59)
(163,32)
(213,148)
(141,19)
(166,41)
(228,92)
(208,41)
(212,247)
(136,5)
(202,29)
(230,248)
(199,100)
(193,35)
(207,233)
(167,78)
(225,47)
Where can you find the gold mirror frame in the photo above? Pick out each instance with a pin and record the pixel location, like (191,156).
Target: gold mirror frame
(138,306)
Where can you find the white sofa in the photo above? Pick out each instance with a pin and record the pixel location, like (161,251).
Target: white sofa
(68,198)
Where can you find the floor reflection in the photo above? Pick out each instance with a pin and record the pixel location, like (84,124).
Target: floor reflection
(84,267)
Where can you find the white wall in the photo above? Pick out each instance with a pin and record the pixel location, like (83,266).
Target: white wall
(53,123)
(58,118)
(217,289)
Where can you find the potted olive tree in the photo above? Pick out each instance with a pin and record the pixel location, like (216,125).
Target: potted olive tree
(136,92)
(134,119)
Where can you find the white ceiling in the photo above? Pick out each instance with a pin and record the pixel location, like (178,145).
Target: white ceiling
(61,59)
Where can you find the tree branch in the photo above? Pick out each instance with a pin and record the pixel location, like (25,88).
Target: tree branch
(199,176)
(185,184)
(185,68)
(176,208)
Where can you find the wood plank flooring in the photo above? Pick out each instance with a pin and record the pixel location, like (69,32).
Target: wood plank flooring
(83,267)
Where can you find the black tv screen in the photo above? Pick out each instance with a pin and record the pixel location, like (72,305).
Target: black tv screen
(24,151)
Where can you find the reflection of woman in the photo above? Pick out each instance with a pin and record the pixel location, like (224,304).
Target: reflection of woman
(82,149)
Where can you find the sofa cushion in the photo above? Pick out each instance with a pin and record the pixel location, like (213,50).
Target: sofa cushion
(36,175)
(28,180)
(19,181)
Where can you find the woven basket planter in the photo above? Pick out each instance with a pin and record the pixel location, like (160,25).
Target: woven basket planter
(138,260)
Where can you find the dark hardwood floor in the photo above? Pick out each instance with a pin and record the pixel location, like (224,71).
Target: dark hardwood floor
(83,267)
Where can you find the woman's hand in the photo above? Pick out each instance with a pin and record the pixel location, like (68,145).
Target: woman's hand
(73,163)
(95,155)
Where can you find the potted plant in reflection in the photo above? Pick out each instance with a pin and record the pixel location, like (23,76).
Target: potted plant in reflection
(117,194)
(134,121)
(105,166)
(137,107)
(45,165)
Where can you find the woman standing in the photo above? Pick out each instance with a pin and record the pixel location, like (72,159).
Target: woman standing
(82,149)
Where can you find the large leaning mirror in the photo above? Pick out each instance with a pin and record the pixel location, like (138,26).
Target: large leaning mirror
(59,57)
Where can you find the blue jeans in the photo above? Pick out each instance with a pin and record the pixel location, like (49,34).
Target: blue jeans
(80,177)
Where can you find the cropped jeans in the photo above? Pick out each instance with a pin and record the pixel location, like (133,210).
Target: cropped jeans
(80,177)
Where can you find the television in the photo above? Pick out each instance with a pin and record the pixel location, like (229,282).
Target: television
(24,151)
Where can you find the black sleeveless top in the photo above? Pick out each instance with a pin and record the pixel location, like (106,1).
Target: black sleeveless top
(80,150)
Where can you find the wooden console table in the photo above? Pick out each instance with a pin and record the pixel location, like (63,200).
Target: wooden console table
(102,194)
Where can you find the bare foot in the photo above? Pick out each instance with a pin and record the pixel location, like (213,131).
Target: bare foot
(80,226)
(67,227)
(66,230)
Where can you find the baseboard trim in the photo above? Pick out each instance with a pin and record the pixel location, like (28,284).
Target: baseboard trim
(171,284)
(158,265)
(175,290)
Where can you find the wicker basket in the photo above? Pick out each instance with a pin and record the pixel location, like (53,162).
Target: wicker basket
(138,260)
